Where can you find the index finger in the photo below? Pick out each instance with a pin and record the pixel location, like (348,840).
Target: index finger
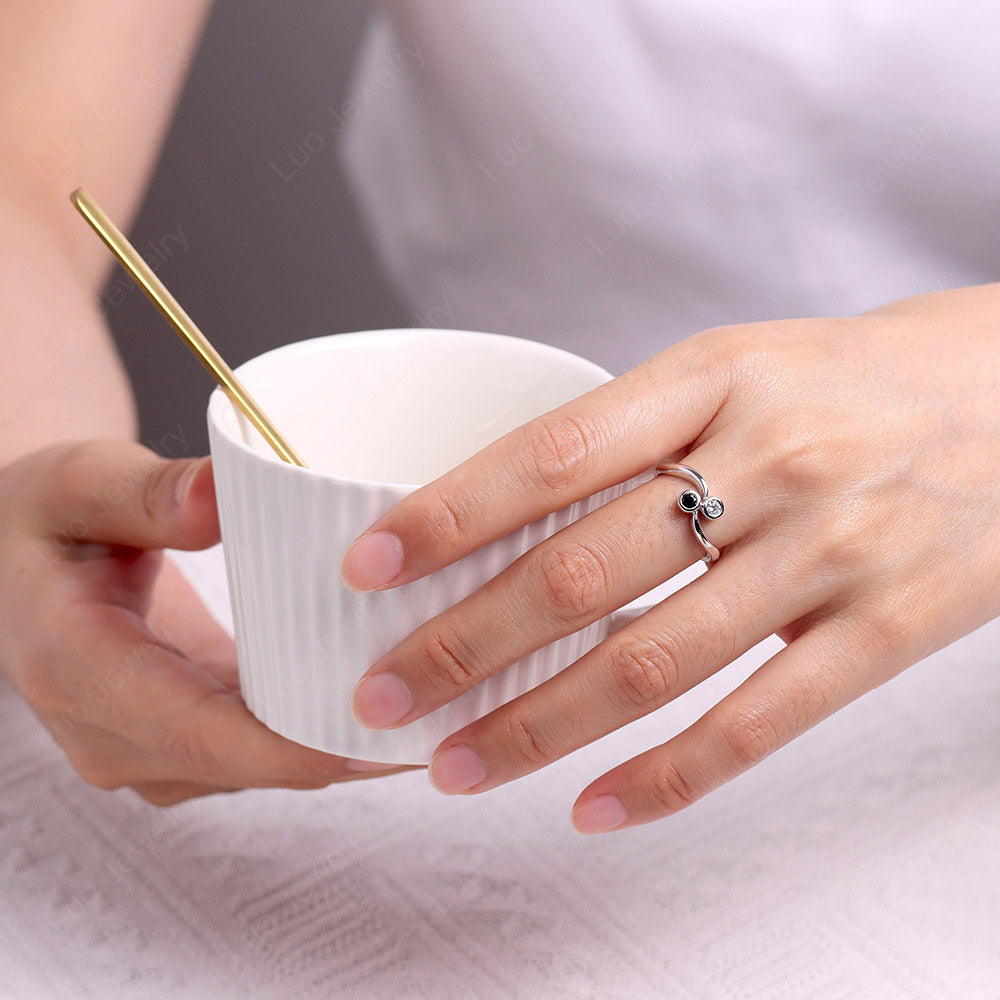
(603,438)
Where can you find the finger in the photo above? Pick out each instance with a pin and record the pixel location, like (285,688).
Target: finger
(693,633)
(157,699)
(152,586)
(106,761)
(603,438)
(170,793)
(116,574)
(577,576)
(179,616)
(798,687)
(120,492)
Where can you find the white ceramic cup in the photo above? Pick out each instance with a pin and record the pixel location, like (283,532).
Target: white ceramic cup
(373,415)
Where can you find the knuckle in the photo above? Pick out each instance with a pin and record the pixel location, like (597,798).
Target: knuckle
(73,466)
(152,489)
(451,660)
(446,520)
(164,798)
(68,473)
(750,736)
(525,741)
(800,451)
(559,449)
(96,770)
(576,580)
(888,628)
(36,682)
(801,458)
(670,790)
(744,354)
(646,671)
(186,747)
(843,539)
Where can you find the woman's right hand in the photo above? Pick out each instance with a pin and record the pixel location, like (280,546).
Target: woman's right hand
(108,643)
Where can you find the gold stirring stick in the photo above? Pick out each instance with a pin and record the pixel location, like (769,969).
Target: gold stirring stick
(144,276)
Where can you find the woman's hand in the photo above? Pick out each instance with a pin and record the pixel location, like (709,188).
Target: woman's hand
(108,643)
(859,460)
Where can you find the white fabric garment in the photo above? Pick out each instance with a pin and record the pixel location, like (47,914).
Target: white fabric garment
(611,176)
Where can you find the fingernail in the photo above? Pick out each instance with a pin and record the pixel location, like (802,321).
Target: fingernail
(600,815)
(380,701)
(372,561)
(456,769)
(185,481)
(367,765)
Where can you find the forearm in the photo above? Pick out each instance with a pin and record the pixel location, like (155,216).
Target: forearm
(70,120)
(61,376)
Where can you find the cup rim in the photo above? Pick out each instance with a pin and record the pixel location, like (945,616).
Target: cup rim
(219,400)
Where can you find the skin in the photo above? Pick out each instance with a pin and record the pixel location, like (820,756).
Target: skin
(858,458)
(99,632)
(859,461)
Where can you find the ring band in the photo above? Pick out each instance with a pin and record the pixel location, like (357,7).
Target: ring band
(696,503)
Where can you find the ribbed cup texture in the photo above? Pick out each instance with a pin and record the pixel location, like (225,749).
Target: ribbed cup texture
(304,639)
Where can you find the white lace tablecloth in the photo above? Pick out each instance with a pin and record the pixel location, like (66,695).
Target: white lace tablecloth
(863,861)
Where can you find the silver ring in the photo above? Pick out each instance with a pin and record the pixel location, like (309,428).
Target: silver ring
(696,503)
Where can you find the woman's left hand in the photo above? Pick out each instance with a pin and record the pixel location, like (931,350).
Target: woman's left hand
(859,460)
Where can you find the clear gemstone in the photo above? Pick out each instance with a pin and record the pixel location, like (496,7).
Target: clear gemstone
(713,507)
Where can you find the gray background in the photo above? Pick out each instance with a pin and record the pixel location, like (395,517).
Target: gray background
(270,258)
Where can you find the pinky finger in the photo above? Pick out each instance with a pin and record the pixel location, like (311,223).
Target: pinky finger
(797,688)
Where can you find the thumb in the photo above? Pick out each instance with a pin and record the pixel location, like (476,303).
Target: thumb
(119,492)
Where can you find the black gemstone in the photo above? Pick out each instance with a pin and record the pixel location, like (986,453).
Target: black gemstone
(688,501)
